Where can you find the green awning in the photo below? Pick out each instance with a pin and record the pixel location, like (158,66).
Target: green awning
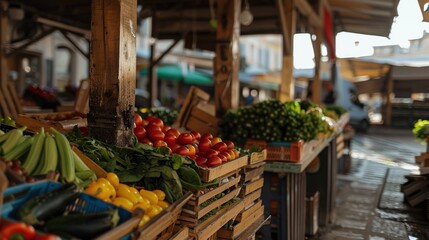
(168,72)
(196,78)
(174,72)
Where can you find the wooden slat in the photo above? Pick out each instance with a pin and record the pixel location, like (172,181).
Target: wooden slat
(15,98)
(4,108)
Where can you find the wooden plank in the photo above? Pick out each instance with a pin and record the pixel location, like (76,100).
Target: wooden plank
(201,213)
(112,71)
(15,97)
(4,109)
(82,99)
(182,234)
(254,173)
(256,157)
(227,58)
(241,226)
(203,198)
(209,174)
(245,214)
(316,86)
(252,186)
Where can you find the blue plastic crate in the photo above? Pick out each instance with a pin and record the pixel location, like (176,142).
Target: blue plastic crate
(85,203)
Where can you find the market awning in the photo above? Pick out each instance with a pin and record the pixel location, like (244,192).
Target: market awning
(176,73)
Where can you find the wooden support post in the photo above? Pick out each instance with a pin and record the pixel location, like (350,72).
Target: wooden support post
(227,58)
(389,92)
(152,77)
(113,71)
(317,84)
(288,22)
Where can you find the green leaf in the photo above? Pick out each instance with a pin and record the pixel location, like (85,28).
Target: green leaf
(177,161)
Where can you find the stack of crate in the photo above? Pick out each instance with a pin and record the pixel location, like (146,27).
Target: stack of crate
(210,209)
(251,217)
(416,189)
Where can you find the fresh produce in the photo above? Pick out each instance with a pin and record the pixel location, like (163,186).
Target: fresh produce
(152,131)
(44,152)
(274,121)
(421,130)
(7,121)
(166,115)
(45,206)
(16,230)
(20,175)
(83,225)
(109,189)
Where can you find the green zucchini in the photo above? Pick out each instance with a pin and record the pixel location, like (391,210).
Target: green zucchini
(45,206)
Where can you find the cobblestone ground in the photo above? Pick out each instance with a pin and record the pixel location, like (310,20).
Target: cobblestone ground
(369,204)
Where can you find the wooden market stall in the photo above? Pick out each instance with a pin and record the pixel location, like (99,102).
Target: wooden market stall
(211,25)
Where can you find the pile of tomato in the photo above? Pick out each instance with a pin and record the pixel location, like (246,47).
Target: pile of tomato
(205,149)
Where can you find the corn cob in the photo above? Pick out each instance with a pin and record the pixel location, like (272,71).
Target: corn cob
(49,159)
(21,149)
(35,153)
(67,166)
(10,140)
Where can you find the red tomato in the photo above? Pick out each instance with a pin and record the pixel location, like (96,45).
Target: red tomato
(173,146)
(173,131)
(157,122)
(138,119)
(202,165)
(223,157)
(156,135)
(200,160)
(226,154)
(193,157)
(230,144)
(166,128)
(211,153)
(145,122)
(160,143)
(185,138)
(231,154)
(220,146)
(205,144)
(170,138)
(196,135)
(192,150)
(151,128)
(140,132)
(214,161)
(150,118)
(216,140)
(146,141)
(207,135)
(183,151)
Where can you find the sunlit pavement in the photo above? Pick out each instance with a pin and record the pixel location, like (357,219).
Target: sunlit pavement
(369,202)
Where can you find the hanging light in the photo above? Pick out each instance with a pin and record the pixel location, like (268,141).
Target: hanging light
(246,17)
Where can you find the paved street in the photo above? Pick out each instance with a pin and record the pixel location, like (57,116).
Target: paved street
(369,203)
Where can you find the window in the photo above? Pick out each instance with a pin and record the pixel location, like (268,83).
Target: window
(63,67)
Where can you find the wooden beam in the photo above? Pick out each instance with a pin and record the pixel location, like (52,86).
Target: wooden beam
(65,34)
(317,83)
(62,26)
(305,9)
(287,86)
(227,56)
(389,93)
(386,4)
(113,71)
(152,77)
(284,26)
(43,34)
(158,60)
(373,12)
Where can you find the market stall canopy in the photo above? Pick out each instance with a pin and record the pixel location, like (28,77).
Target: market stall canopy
(191,19)
(364,16)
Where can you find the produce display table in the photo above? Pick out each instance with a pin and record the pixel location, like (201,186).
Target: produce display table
(287,184)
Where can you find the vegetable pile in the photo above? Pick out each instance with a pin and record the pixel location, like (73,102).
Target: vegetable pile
(166,115)
(421,130)
(274,121)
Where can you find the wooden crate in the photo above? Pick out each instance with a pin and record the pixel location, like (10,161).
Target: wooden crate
(282,151)
(252,186)
(209,228)
(210,174)
(239,227)
(180,233)
(62,121)
(256,157)
(202,121)
(199,205)
(161,227)
(252,171)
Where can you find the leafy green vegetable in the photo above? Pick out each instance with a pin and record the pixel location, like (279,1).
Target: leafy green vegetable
(421,130)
